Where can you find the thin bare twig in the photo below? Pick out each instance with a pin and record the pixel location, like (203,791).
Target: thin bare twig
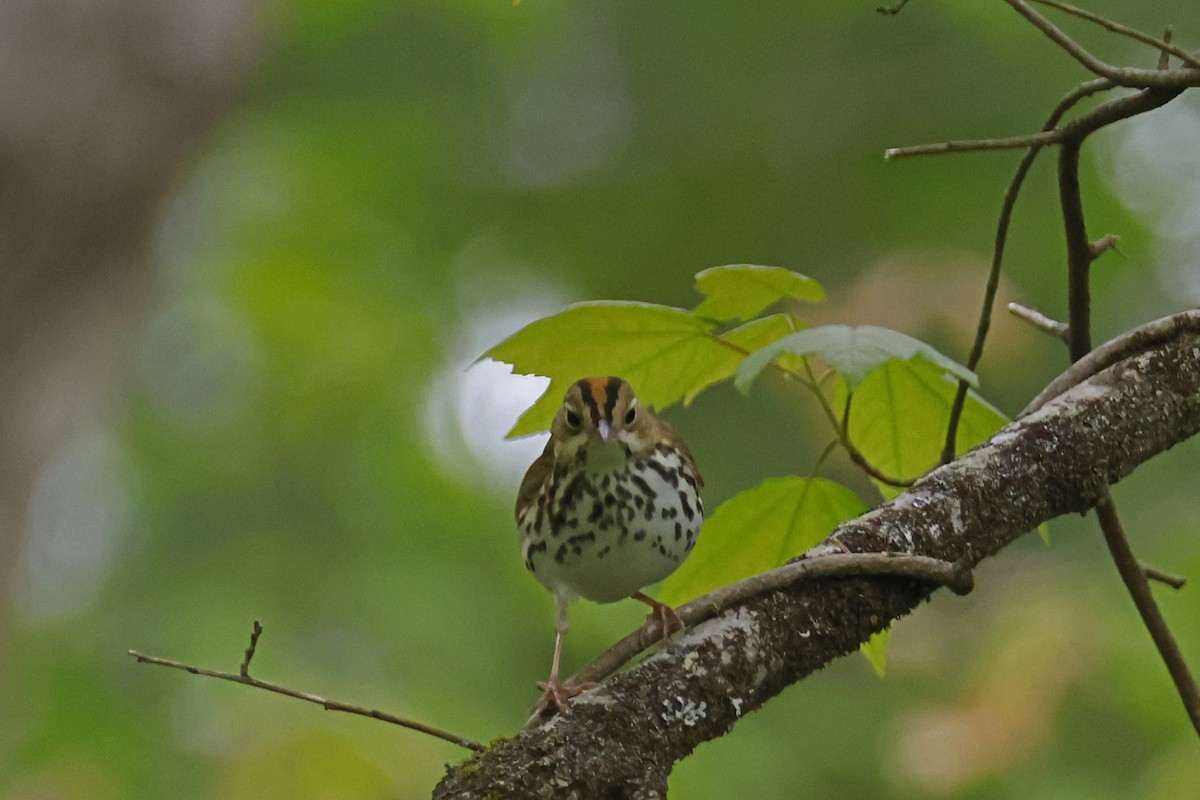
(243,677)
(839,565)
(891,11)
(1080,254)
(1127,345)
(1097,118)
(1174,581)
(1163,45)
(1139,589)
(1079,251)
(255,632)
(1105,243)
(1164,58)
(1122,76)
(973,145)
(1037,319)
(1084,90)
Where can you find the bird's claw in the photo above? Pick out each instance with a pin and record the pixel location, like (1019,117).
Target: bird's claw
(668,621)
(555,695)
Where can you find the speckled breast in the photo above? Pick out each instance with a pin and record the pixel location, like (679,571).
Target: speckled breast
(603,531)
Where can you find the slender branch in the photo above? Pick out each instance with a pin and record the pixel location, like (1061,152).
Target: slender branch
(255,632)
(973,145)
(838,565)
(1081,127)
(1105,243)
(1097,118)
(1079,251)
(1037,319)
(1080,255)
(1174,581)
(859,459)
(891,11)
(1084,90)
(243,677)
(1163,45)
(1134,577)
(1122,76)
(1164,58)
(810,380)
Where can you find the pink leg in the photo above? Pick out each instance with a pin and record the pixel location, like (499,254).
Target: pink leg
(668,621)
(556,693)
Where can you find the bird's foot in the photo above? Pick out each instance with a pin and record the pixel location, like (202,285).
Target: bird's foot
(668,621)
(555,695)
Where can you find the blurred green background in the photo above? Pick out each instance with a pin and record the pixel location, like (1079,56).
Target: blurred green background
(299,439)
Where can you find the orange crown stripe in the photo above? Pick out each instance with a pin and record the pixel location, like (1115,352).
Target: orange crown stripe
(599,387)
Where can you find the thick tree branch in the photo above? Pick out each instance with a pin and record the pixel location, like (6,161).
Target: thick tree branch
(621,739)
(955,577)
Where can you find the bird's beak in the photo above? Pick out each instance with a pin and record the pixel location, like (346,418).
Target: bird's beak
(605,430)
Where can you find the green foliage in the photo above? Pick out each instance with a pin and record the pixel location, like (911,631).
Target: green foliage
(899,417)
(901,411)
(759,529)
(669,354)
(875,650)
(665,352)
(742,291)
(853,352)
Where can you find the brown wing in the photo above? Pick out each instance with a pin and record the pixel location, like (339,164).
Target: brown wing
(535,476)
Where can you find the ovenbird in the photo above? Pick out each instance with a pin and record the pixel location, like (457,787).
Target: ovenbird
(611,505)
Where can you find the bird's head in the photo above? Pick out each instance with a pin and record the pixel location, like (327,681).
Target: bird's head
(600,410)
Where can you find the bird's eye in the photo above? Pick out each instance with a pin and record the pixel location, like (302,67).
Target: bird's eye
(573,420)
(631,415)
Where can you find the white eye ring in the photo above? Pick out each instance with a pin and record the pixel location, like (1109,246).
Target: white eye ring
(573,420)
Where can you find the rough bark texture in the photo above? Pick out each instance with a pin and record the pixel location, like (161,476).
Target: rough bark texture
(622,739)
